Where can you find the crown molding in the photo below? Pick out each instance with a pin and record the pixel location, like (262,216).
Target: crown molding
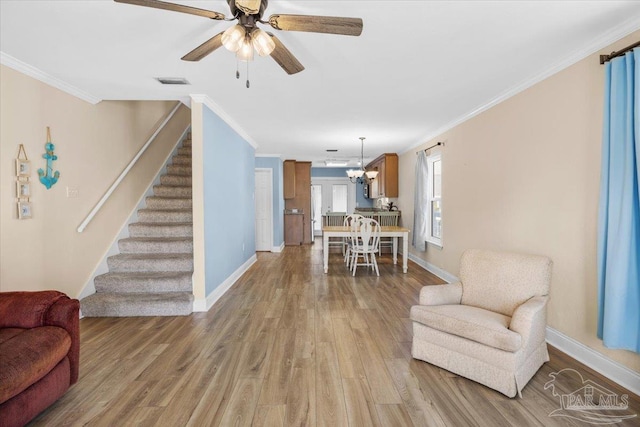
(204,99)
(596,45)
(40,75)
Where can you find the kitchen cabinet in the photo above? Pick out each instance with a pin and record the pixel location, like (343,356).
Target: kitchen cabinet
(386,183)
(289,179)
(293,228)
(302,198)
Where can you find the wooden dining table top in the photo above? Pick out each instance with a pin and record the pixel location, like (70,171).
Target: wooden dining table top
(387,228)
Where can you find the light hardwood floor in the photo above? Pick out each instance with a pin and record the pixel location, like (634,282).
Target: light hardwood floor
(289,345)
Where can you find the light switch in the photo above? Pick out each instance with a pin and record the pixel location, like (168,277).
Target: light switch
(73,192)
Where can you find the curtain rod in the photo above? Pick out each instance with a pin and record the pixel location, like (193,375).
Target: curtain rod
(429,148)
(605,58)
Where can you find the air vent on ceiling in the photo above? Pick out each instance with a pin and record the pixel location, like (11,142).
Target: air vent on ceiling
(332,150)
(173,80)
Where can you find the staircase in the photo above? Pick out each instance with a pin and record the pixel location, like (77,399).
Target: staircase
(151,276)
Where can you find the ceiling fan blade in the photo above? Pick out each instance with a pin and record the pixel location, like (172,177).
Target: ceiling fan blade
(285,58)
(317,24)
(204,49)
(157,4)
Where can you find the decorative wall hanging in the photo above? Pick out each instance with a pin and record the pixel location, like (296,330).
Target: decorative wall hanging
(23,184)
(24,210)
(23,166)
(49,178)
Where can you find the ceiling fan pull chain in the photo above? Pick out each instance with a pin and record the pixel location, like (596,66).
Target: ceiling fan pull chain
(247,74)
(237,69)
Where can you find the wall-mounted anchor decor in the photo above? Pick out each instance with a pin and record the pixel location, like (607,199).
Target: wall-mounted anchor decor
(49,178)
(23,185)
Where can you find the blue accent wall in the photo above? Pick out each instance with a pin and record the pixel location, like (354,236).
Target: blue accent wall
(275,164)
(229,210)
(361,201)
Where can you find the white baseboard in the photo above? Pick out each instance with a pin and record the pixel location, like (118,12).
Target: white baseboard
(203,305)
(443,274)
(597,361)
(278,249)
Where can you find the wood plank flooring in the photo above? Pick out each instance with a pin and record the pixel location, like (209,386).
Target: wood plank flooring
(289,345)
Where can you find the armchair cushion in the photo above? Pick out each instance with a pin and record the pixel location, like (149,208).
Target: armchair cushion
(29,356)
(473,323)
(441,294)
(487,275)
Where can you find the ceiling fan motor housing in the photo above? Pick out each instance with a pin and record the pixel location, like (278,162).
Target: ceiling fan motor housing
(237,11)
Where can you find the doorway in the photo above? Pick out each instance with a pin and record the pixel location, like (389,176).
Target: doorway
(264,209)
(330,195)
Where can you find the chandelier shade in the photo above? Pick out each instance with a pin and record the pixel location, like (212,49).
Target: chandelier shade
(361,175)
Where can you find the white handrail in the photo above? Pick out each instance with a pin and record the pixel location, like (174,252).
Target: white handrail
(126,170)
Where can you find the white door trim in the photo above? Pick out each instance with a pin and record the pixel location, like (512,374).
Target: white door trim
(351,192)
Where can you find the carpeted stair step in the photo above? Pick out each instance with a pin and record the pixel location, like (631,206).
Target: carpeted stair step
(163,281)
(172,191)
(181,160)
(154,202)
(155,245)
(160,229)
(165,215)
(152,274)
(107,304)
(183,170)
(178,180)
(124,263)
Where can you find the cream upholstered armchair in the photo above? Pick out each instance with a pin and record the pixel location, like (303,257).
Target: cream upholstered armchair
(489,327)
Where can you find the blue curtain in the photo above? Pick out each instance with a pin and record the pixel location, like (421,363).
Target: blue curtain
(619,216)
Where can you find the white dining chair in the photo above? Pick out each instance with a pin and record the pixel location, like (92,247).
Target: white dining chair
(349,221)
(334,219)
(365,239)
(387,219)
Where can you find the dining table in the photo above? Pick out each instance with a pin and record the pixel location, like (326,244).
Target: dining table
(385,231)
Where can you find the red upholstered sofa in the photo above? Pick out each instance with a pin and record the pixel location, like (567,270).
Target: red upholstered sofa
(39,352)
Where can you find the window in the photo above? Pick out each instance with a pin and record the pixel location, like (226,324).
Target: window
(434,202)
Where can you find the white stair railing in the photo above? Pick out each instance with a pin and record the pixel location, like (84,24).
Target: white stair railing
(126,170)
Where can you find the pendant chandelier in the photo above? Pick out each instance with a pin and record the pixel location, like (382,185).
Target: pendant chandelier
(361,175)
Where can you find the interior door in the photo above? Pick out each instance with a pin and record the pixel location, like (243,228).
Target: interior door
(264,210)
(331,195)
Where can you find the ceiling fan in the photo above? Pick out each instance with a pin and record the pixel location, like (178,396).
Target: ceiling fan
(245,36)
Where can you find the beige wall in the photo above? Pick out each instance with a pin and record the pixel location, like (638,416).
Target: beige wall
(524,176)
(94,143)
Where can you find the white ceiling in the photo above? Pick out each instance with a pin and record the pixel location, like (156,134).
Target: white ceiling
(418,68)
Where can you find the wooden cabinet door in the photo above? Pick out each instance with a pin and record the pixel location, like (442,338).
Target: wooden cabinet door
(289,179)
(293,229)
(382,178)
(391,175)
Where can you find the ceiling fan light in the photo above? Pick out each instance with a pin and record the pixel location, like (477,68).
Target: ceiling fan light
(262,42)
(245,53)
(233,38)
